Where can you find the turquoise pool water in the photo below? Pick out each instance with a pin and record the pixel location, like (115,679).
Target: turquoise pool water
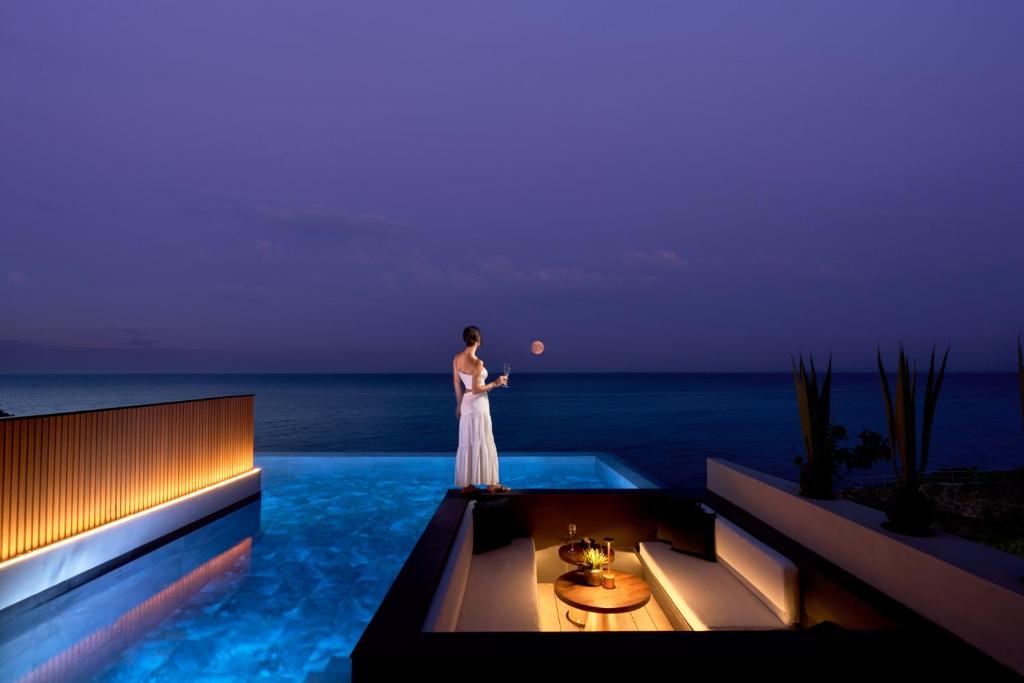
(278,590)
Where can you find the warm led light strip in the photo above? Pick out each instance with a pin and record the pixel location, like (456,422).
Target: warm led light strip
(123,520)
(65,473)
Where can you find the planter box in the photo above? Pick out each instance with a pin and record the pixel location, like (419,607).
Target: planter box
(969,589)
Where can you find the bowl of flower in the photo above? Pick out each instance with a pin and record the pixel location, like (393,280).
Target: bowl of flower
(594,560)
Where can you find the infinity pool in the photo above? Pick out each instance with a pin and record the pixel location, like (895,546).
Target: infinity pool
(280,589)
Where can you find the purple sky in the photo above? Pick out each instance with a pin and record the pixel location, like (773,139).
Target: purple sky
(337,186)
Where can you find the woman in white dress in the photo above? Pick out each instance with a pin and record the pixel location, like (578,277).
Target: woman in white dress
(476,461)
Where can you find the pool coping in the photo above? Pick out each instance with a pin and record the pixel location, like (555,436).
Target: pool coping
(614,462)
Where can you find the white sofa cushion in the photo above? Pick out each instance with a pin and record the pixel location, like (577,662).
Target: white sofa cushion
(706,594)
(443,614)
(492,591)
(767,573)
(501,594)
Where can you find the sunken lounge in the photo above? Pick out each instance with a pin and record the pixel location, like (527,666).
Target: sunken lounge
(701,587)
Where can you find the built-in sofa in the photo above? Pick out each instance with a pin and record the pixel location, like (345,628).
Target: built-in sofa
(450,610)
(491,591)
(748,586)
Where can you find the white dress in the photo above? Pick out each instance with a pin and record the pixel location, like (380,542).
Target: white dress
(476,461)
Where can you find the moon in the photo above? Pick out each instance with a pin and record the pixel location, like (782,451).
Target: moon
(537,347)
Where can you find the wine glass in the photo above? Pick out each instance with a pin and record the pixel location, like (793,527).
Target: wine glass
(572,534)
(507,370)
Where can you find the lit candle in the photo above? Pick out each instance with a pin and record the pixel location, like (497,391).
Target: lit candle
(609,580)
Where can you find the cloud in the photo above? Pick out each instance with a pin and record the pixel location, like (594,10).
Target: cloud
(807,265)
(501,272)
(411,268)
(270,251)
(18,279)
(219,290)
(660,258)
(378,250)
(280,223)
(424,272)
(136,338)
(361,258)
(501,269)
(775,260)
(321,221)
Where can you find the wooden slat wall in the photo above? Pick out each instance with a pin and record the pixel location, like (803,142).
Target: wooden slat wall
(64,474)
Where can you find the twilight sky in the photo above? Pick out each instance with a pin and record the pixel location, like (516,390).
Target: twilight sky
(244,185)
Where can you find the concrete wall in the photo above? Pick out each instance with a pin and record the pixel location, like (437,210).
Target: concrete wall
(967,588)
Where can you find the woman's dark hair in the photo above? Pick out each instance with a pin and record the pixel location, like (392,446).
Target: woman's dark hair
(471,335)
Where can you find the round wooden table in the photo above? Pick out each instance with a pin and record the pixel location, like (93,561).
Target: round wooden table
(631,592)
(573,554)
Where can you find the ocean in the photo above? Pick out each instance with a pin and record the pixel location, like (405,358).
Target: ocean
(665,425)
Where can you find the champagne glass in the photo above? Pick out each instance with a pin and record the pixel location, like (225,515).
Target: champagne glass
(507,370)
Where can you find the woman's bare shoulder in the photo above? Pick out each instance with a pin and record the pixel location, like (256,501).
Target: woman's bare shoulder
(472,365)
(461,360)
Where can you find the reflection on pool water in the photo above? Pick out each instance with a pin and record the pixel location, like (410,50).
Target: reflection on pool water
(280,589)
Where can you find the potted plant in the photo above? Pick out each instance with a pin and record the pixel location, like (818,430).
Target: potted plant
(910,511)
(817,470)
(594,560)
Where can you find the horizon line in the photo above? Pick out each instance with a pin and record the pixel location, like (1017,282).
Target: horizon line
(525,372)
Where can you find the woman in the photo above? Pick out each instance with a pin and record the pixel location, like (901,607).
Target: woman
(476,461)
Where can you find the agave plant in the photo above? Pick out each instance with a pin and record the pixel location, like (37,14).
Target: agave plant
(816,471)
(910,511)
(594,558)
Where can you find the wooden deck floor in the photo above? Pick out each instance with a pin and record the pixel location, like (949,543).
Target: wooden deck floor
(650,617)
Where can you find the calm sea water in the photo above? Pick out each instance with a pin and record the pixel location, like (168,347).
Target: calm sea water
(664,424)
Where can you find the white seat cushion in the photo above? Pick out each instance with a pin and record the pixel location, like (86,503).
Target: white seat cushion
(501,594)
(767,573)
(706,594)
(446,604)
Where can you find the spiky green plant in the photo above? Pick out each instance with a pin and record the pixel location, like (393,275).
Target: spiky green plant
(594,558)
(910,510)
(817,470)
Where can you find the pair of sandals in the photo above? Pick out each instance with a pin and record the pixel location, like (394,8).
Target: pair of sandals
(491,488)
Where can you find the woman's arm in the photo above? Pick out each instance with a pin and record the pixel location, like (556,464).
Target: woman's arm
(457,382)
(478,381)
